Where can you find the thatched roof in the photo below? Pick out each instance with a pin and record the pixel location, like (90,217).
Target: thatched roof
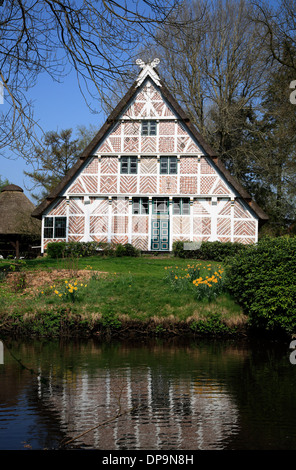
(15,213)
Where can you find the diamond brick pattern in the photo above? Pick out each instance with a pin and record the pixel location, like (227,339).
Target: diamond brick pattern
(132,129)
(244,228)
(148,184)
(181,225)
(59,209)
(207,183)
(245,240)
(140,224)
(167,128)
(206,168)
(240,212)
(188,165)
(119,224)
(148,144)
(188,184)
(77,187)
(220,188)
(91,167)
(76,224)
(201,207)
(140,242)
(98,224)
(166,144)
(119,239)
(206,226)
(128,184)
(120,206)
(148,165)
(168,184)
(197,226)
(224,208)
(109,184)
(90,183)
(223,226)
(131,144)
(99,238)
(109,165)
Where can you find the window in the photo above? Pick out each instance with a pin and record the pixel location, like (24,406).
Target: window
(160,206)
(55,227)
(149,127)
(129,165)
(140,205)
(168,165)
(181,206)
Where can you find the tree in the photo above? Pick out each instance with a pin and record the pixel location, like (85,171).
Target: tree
(275,150)
(3,182)
(55,157)
(218,69)
(95,39)
(278,23)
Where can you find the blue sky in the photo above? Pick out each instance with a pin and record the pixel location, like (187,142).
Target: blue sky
(57,106)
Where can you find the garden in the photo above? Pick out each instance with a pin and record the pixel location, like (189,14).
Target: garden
(96,289)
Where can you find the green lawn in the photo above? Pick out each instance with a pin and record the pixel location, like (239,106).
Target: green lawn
(131,289)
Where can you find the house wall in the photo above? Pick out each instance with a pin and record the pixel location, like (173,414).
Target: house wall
(98,201)
(103,211)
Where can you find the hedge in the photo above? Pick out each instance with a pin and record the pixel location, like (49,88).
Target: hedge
(262,279)
(83,249)
(214,251)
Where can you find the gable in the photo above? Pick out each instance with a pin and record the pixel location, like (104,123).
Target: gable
(200,170)
(148,103)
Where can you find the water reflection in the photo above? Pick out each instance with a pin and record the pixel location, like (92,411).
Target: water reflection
(170,396)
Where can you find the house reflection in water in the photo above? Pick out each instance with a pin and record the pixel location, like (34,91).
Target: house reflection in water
(168,412)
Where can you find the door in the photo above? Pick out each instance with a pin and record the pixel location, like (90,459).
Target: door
(160,235)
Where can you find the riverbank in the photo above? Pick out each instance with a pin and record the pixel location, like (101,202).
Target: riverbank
(110,297)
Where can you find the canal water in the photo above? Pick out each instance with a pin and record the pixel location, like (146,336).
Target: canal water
(149,395)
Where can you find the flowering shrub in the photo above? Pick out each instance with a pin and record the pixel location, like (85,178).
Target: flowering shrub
(205,281)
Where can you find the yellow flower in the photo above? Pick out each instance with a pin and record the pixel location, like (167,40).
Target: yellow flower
(70,290)
(66,282)
(56,291)
(60,295)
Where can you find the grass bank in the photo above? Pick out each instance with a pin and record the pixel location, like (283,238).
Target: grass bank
(110,296)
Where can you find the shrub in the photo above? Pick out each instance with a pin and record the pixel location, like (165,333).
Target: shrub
(215,251)
(83,249)
(126,250)
(263,281)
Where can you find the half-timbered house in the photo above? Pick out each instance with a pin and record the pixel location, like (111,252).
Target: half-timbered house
(148,178)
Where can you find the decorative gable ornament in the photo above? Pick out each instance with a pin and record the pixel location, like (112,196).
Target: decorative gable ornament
(148,70)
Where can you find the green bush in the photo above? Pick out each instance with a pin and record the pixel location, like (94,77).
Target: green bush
(126,250)
(83,249)
(214,251)
(263,281)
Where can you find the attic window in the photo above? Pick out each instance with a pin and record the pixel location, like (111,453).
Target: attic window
(149,127)
(55,227)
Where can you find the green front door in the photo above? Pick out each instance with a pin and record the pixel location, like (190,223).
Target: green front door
(160,235)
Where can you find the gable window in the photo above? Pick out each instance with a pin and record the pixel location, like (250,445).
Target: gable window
(129,165)
(168,165)
(55,227)
(140,205)
(149,128)
(181,206)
